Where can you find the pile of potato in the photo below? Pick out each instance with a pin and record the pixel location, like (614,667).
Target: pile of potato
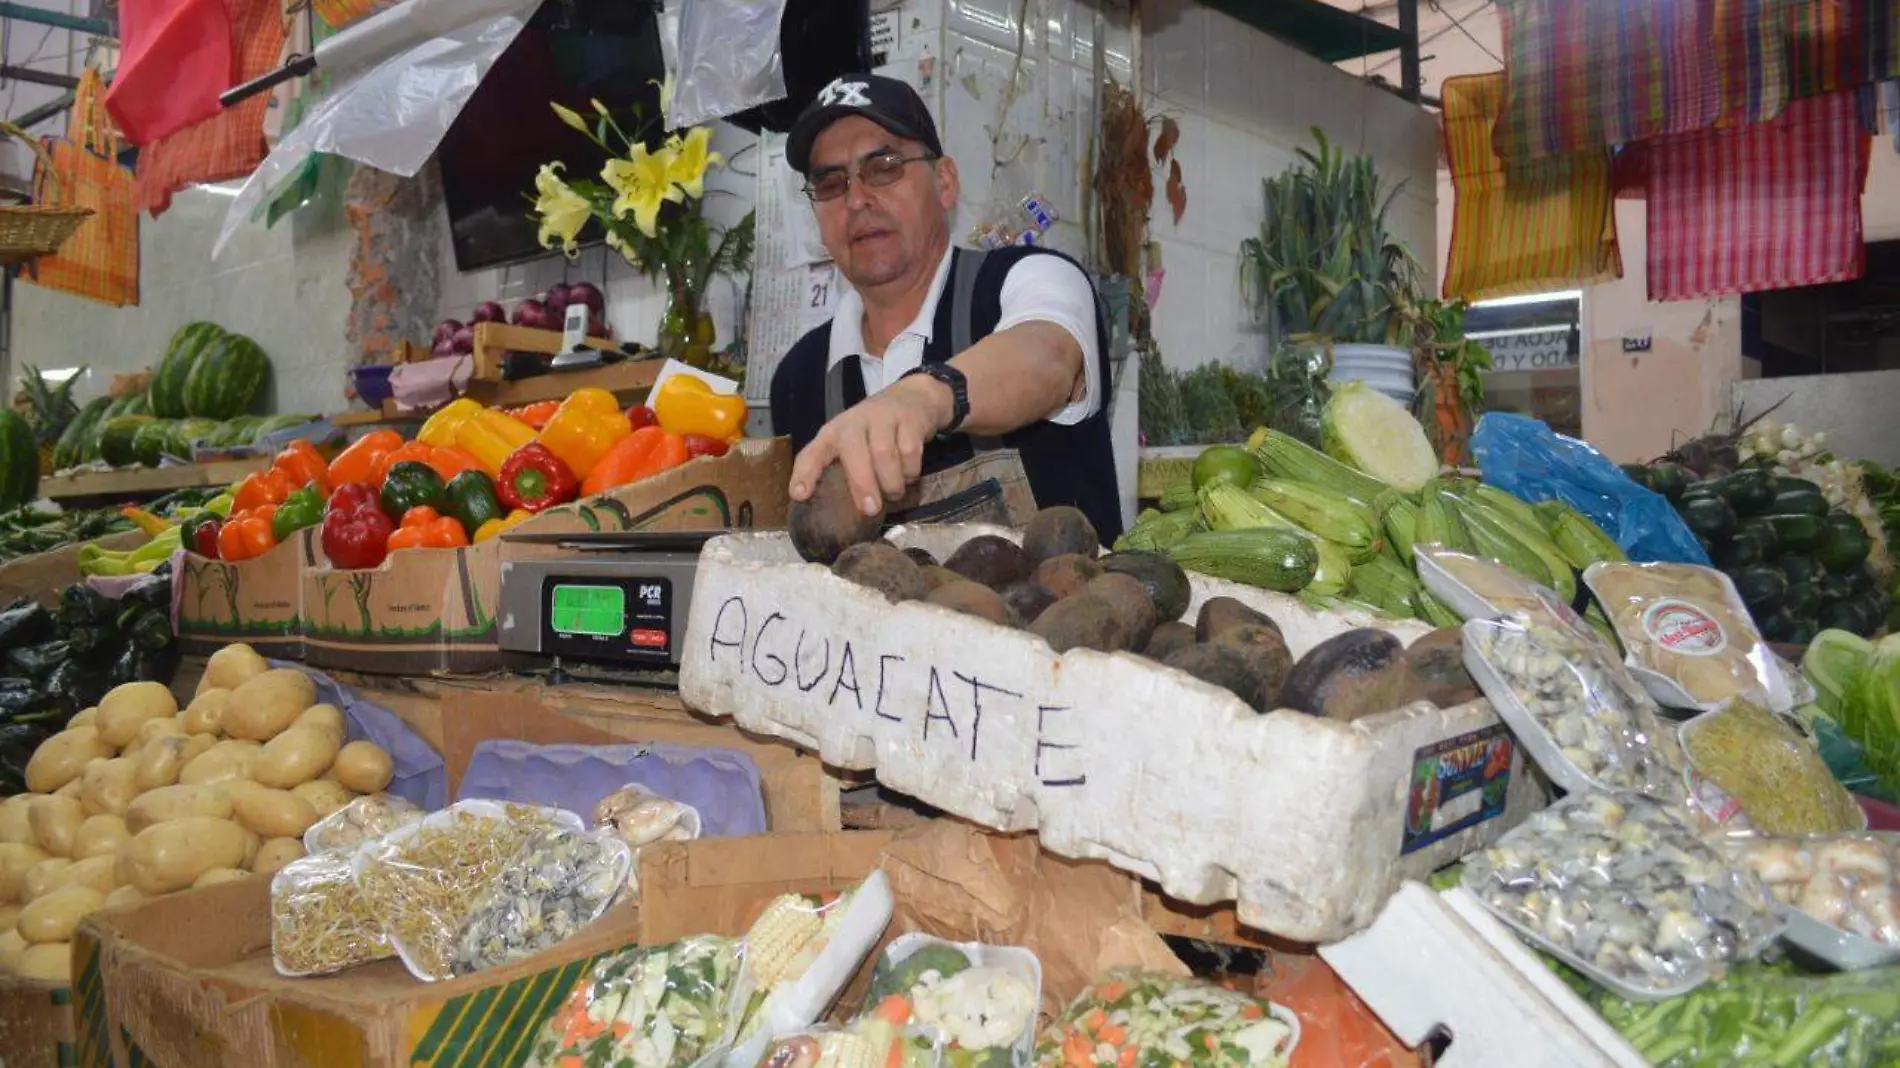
(138,798)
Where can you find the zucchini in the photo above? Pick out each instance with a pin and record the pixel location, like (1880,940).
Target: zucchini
(1228,507)
(1286,457)
(1398,515)
(1796,533)
(1387,585)
(1339,519)
(1269,557)
(1847,545)
(1495,540)
(1798,501)
(1179,497)
(1576,536)
(1763,589)
(1749,492)
(1709,517)
(1334,572)
(1439,522)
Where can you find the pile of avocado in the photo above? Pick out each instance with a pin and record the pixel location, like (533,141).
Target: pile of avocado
(1800,566)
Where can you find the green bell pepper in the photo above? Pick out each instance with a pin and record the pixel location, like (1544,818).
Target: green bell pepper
(472,500)
(301,509)
(411,484)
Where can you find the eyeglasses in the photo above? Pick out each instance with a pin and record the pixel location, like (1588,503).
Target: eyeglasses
(873,173)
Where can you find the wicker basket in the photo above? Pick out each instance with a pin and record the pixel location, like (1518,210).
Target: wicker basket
(35,229)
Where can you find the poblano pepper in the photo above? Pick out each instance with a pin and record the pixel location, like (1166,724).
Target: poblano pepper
(301,509)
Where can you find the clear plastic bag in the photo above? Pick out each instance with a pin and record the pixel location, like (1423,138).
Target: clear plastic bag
(659,1007)
(367,817)
(424,880)
(1844,883)
(728,60)
(1774,773)
(960,1005)
(1587,723)
(319,923)
(1623,889)
(1145,1019)
(799,955)
(1687,635)
(558,883)
(1535,463)
(640,817)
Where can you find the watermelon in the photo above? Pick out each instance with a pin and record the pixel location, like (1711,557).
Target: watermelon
(70,450)
(149,443)
(273,424)
(226,378)
(187,431)
(19,461)
(115,444)
(141,404)
(168,381)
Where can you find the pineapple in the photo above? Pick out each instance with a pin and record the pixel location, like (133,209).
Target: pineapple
(49,409)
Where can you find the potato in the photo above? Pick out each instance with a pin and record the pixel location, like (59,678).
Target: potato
(108,786)
(252,843)
(164,759)
(169,803)
(275,813)
(231,667)
(172,855)
(9,915)
(12,948)
(324,795)
(71,789)
(128,706)
(263,707)
(297,756)
(124,895)
(52,918)
(41,878)
(50,963)
(153,729)
(219,875)
(88,717)
(55,821)
(363,767)
(63,757)
(96,872)
(275,854)
(100,836)
(228,759)
(14,825)
(329,717)
(16,859)
(205,714)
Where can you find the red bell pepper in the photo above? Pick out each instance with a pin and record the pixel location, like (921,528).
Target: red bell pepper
(535,479)
(355,530)
(698,445)
(640,416)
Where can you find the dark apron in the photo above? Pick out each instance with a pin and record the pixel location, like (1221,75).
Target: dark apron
(991,486)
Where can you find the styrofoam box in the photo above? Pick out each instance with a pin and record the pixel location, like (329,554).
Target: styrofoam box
(1307,824)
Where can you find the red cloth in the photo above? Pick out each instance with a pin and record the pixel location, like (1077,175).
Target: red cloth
(1762,206)
(229,144)
(175,57)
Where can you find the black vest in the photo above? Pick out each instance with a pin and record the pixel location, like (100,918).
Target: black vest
(1072,465)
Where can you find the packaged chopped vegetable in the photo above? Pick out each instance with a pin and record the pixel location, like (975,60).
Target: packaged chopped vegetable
(659,1007)
(1623,889)
(1578,712)
(962,1005)
(364,818)
(558,883)
(1162,1021)
(1840,890)
(798,955)
(1688,636)
(318,922)
(424,880)
(1774,773)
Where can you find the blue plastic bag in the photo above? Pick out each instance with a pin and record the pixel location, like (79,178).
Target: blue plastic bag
(1525,458)
(420,775)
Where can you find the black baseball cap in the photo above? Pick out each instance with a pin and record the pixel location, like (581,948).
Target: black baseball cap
(888,102)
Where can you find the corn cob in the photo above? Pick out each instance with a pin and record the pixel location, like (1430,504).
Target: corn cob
(1399,517)
(1439,522)
(1350,524)
(1178,497)
(1582,542)
(847,1049)
(1387,585)
(780,938)
(1289,458)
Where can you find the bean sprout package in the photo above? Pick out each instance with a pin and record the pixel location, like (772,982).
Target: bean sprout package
(1687,635)
(1773,772)
(958,1005)
(1163,1021)
(1624,890)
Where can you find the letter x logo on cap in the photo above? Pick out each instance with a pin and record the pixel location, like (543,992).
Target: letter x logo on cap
(888,102)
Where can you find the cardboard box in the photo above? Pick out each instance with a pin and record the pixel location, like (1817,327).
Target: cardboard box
(185,981)
(36,1024)
(1308,824)
(42,575)
(434,611)
(257,601)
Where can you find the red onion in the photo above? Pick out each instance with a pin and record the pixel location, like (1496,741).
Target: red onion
(589,294)
(557,296)
(444,330)
(464,341)
(530,312)
(489,311)
(444,347)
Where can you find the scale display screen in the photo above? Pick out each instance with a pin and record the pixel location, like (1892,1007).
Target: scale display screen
(595,611)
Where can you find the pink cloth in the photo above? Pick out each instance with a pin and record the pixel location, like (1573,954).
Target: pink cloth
(430,383)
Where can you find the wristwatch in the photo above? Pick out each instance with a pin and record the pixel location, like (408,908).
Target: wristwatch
(959,391)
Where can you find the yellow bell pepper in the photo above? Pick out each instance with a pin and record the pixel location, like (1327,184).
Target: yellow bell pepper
(503,525)
(687,405)
(488,435)
(583,428)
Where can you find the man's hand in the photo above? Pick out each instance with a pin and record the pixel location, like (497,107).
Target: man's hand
(879,441)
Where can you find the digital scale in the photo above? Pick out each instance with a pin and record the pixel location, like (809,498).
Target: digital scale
(614,599)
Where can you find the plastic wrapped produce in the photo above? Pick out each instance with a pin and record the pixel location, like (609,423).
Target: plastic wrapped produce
(961,1005)
(363,819)
(799,954)
(640,817)
(1688,636)
(1157,1021)
(319,922)
(1842,889)
(558,883)
(1773,772)
(1622,888)
(660,1007)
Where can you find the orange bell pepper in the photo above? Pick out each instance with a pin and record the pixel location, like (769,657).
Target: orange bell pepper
(358,462)
(586,425)
(687,405)
(247,533)
(537,414)
(425,528)
(302,464)
(647,451)
(447,461)
(261,488)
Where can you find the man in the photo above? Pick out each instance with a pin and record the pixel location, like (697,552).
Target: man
(946,374)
